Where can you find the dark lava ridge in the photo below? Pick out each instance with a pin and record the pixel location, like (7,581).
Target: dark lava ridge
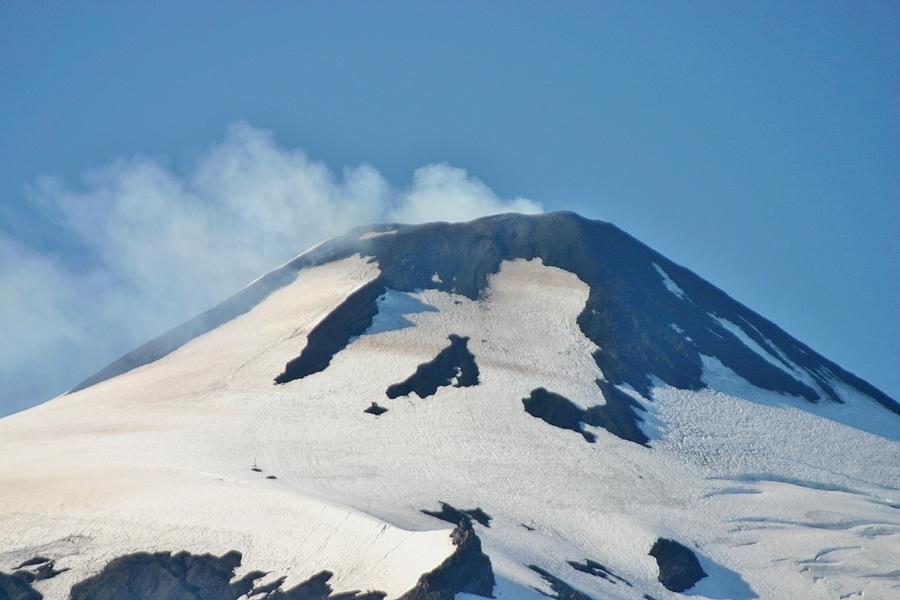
(17,586)
(467,570)
(375,409)
(558,411)
(454,365)
(561,589)
(597,570)
(456,516)
(186,576)
(332,334)
(618,416)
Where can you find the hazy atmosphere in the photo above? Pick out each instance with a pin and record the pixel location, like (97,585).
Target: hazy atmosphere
(153,167)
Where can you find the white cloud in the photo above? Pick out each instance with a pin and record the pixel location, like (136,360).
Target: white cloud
(444,193)
(166,245)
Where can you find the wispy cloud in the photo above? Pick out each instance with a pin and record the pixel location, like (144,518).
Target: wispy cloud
(161,245)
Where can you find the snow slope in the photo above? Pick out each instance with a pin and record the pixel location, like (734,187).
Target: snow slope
(160,459)
(776,496)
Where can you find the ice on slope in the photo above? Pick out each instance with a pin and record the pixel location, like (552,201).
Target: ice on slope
(793,485)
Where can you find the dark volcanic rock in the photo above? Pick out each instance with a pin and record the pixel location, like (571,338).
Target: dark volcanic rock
(619,415)
(479,515)
(557,411)
(679,568)
(36,569)
(596,569)
(315,588)
(163,575)
(563,590)
(351,318)
(467,570)
(453,515)
(46,571)
(185,576)
(37,560)
(375,409)
(454,361)
(17,587)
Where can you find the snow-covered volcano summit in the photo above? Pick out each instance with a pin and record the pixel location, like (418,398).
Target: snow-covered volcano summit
(516,407)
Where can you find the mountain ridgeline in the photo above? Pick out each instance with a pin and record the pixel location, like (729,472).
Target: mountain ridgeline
(648,316)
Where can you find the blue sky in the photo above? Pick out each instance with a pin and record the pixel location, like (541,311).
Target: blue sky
(755,143)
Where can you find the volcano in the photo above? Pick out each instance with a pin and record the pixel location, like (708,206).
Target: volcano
(518,407)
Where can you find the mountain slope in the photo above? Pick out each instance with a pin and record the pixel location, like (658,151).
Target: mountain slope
(597,419)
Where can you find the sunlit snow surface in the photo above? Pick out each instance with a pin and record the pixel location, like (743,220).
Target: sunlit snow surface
(779,499)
